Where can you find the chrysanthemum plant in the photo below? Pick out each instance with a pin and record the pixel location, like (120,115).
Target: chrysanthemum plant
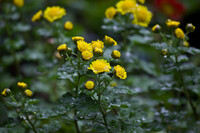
(92,103)
(180,79)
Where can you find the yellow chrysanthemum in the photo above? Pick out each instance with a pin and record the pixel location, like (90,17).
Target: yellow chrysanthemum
(179,33)
(156,28)
(120,72)
(98,51)
(68,25)
(172,24)
(5,92)
(116,54)
(84,46)
(22,85)
(77,38)
(141,1)
(126,6)
(62,47)
(28,92)
(100,66)
(53,13)
(186,44)
(142,16)
(97,44)
(18,3)
(89,85)
(86,55)
(110,12)
(109,41)
(37,16)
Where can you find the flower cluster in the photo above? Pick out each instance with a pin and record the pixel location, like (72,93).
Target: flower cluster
(22,86)
(142,16)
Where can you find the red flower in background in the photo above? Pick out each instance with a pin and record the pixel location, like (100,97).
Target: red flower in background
(171,8)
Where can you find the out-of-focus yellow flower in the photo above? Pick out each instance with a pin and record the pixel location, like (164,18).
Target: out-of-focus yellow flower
(186,44)
(109,41)
(141,1)
(53,13)
(120,72)
(179,33)
(18,3)
(5,92)
(190,27)
(22,85)
(113,83)
(84,46)
(100,66)
(37,16)
(89,85)
(86,55)
(68,25)
(142,16)
(156,28)
(126,6)
(77,38)
(62,47)
(172,24)
(97,44)
(116,54)
(110,12)
(98,51)
(164,51)
(28,92)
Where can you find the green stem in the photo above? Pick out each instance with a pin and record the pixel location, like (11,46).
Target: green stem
(185,91)
(101,108)
(29,121)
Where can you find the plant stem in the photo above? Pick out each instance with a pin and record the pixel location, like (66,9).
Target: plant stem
(101,108)
(185,91)
(29,121)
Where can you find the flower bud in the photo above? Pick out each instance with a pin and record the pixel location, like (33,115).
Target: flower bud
(186,44)
(98,51)
(109,41)
(21,85)
(156,28)
(89,85)
(5,92)
(116,54)
(179,33)
(87,55)
(68,25)
(77,38)
(164,51)
(190,27)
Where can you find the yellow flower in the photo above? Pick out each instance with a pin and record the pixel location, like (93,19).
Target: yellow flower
(18,3)
(77,38)
(126,6)
(179,33)
(84,46)
(97,44)
(109,41)
(120,72)
(142,16)
(62,47)
(156,28)
(86,55)
(53,13)
(68,25)
(28,92)
(100,66)
(116,54)
(110,12)
(98,51)
(172,24)
(186,44)
(22,85)
(89,85)
(37,16)
(5,92)
(141,1)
